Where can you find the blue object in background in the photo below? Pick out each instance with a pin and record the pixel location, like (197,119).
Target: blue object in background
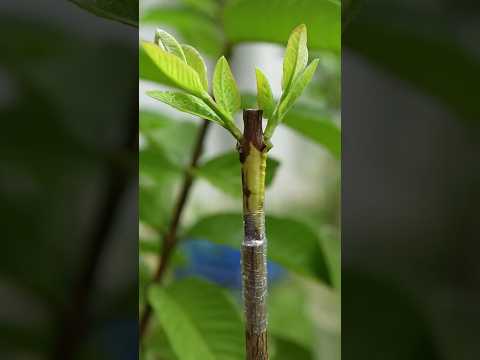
(219,264)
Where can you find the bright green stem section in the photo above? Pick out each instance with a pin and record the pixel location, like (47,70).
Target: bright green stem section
(253,180)
(229,124)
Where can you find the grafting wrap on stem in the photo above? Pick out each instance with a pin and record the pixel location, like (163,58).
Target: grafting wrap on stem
(253,156)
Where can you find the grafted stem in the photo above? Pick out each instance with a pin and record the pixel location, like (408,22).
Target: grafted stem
(253,156)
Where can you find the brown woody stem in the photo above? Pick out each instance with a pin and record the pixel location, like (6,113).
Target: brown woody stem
(253,156)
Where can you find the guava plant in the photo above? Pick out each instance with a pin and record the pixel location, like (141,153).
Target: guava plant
(185,69)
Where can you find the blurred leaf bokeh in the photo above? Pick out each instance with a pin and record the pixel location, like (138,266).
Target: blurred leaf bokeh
(68,108)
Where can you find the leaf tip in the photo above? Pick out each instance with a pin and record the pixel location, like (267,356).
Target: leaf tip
(301,29)
(315,63)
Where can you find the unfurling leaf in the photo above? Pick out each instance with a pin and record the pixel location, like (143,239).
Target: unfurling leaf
(296,56)
(168,43)
(194,28)
(297,88)
(175,70)
(225,88)
(186,103)
(195,60)
(265,98)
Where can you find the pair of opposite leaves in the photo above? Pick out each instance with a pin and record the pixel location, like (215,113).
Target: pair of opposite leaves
(185,68)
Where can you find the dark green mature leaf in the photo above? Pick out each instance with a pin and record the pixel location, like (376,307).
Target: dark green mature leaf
(289,318)
(174,69)
(272,21)
(194,28)
(124,11)
(225,88)
(144,279)
(157,346)
(224,172)
(288,350)
(157,179)
(149,247)
(173,137)
(332,245)
(154,163)
(186,103)
(208,7)
(291,243)
(165,153)
(315,126)
(200,321)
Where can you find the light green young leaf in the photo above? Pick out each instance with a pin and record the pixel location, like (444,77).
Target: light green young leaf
(175,70)
(194,28)
(265,98)
(225,88)
(168,43)
(200,320)
(286,237)
(299,84)
(296,56)
(195,60)
(223,172)
(186,103)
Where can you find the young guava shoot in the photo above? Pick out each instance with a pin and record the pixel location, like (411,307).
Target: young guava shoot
(185,70)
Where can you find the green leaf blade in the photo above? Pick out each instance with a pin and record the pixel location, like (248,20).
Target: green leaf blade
(194,28)
(195,60)
(225,88)
(272,20)
(175,70)
(292,244)
(265,99)
(296,56)
(186,103)
(207,7)
(299,84)
(201,315)
(168,43)
(317,127)
(124,11)
(175,321)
